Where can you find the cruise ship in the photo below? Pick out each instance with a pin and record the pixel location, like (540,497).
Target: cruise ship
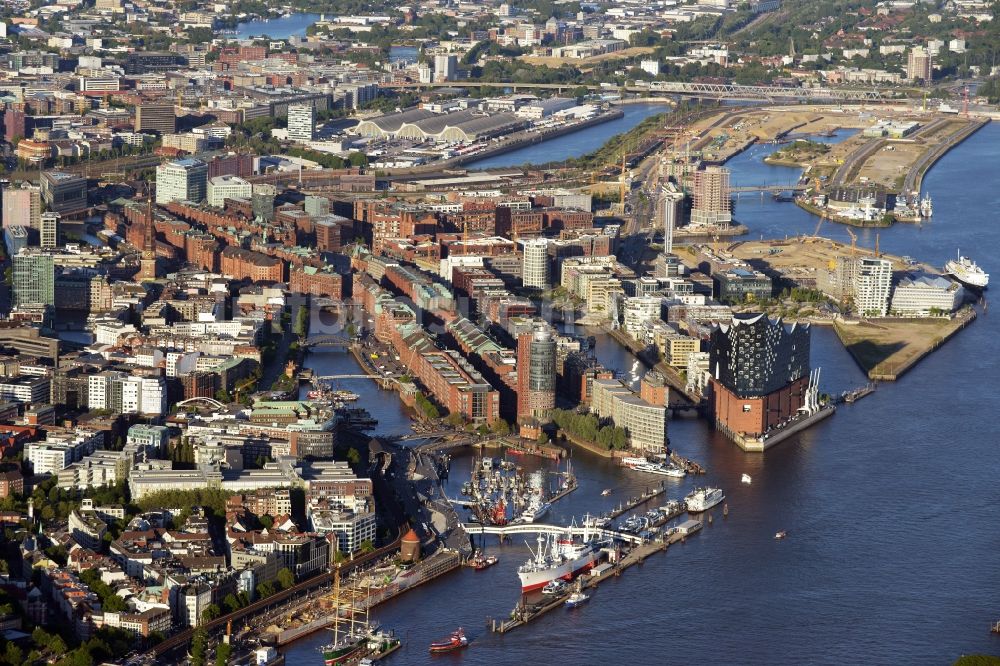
(703,499)
(967,271)
(562,558)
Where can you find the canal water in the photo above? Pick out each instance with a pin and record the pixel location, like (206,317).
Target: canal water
(574,144)
(893,549)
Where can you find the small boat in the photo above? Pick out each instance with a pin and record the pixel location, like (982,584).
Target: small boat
(479,563)
(746,479)
(605,492)
(781,535)
(456,641)
(577,599)
(554,587)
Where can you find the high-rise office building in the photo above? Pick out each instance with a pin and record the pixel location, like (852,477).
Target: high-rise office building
(872,286)
(48,230)
(221,188)
(536,374)
(262,200)
(671,208)
(445,67)
(155,117)
(712,198)
(181,180)
(22,207)
(760,373)
(535,267)
(63,192)
(301,122)
(33,278)
(919,65)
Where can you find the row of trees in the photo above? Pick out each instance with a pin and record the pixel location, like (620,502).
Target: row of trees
(426,408)
(588,427)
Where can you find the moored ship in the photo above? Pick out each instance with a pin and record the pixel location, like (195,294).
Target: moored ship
(967,271)
(703,499)
(562,558)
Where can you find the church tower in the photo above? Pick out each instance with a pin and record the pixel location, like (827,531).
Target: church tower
(147,261)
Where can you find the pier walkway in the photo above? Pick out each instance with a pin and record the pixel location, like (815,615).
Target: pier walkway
(542,528)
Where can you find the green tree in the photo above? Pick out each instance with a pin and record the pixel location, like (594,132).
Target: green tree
(231,603)
(199,646)
(353,456)
(285,578)
(301,328)
(222,654)
(211,612)
(500,427)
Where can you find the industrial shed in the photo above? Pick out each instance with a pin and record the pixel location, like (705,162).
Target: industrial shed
(420,125)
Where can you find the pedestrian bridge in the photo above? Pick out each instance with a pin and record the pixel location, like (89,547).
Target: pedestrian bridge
(542,528)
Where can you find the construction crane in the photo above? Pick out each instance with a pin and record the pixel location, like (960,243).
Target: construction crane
(854,241)
(877,253)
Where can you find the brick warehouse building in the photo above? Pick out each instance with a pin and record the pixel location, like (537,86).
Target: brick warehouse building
(760,373)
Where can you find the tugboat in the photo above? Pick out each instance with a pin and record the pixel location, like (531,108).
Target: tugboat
(781,535)
(456,641)
(578,598)
(480,561)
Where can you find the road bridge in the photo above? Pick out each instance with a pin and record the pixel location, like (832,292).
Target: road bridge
(327,341)
(769,188)
(541,528)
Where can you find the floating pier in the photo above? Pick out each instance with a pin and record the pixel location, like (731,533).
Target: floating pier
(636,501)
(525,613)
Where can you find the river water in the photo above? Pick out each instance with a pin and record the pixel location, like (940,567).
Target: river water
(893,553)
(293,25)
(574,144)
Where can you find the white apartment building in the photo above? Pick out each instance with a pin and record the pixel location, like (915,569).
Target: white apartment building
(645,424)
(872,286)
(638,311)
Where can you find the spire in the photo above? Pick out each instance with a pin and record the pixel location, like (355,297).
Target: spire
(149,232)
